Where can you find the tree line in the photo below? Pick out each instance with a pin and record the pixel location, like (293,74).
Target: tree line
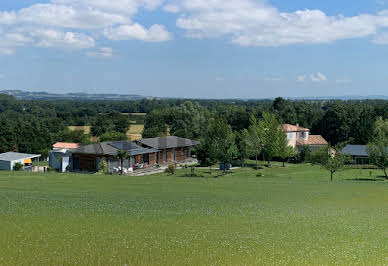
(33,126)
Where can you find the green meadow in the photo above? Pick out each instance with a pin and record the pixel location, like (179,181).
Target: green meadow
(292,215)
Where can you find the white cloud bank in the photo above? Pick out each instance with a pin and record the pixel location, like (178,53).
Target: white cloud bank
(255,23)
(79,24)
(76,24)
(319,77)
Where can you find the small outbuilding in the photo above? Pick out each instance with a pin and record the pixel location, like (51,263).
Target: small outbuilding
(358,153)
(9,159)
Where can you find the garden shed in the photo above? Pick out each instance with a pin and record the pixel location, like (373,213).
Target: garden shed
(9,159)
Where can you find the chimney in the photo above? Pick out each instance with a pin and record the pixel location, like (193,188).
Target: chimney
(297,124)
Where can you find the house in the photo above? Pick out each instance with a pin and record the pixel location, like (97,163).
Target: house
(142,153)
(358,153)
(170,149)
(299,137)
(9,159)
(60,156)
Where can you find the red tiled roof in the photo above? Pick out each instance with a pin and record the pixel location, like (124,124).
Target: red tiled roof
(65,145)
(292,128)
(313,140)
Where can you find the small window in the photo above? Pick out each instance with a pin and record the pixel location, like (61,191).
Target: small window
(289,135)
(182,151)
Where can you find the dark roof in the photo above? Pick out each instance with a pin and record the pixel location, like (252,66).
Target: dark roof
(355,150)
(111,148)
(102,148)
(168,142)
(13,156)
(124,145)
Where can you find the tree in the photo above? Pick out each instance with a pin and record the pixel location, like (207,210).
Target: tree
(253,136)
(219,142)
(121,155)
(285,151)
(113,136)
(242,147)
(324,157)
(271,133)
(378,147)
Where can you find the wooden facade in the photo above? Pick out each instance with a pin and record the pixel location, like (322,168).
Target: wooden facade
(90,162)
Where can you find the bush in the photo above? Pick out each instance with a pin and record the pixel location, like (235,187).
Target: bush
(103,166)
(18,167)
(259,174)
(170,169)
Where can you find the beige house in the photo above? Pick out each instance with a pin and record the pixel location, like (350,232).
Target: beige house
(298,137)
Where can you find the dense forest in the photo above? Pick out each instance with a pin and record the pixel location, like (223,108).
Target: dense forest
(33,126)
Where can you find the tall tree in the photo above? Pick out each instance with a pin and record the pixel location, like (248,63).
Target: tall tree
(378,147)
(254,139)
(220,141)
(271,133)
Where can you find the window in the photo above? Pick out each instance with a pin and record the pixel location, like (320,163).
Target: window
(289,135)
(182,151)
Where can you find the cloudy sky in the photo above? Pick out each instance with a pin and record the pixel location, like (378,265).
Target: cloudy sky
(196,48)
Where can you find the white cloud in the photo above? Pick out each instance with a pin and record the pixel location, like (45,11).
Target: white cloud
(2,76)
(301,78)
(104,52)
(64,40)
(70,24)
(255,23)
(156,33)
(220,79)
(318,77)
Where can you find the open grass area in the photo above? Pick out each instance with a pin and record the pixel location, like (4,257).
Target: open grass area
(135,132)
(86,129)
(291,215)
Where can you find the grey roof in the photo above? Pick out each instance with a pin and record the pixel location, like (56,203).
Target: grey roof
(13,156)
(141,151)
(168,142)
(355,150)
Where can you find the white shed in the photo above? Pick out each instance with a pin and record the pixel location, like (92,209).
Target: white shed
(8,159)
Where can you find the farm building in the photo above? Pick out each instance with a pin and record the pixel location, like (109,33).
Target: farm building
(358,153)
(142,153)
(9,159)
(60,156)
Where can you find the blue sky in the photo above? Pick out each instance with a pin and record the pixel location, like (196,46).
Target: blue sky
(195,48)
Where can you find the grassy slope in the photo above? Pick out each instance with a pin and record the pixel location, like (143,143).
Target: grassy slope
(292,215)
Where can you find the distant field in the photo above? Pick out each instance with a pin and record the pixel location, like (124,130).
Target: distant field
(86,129)
(135,132)
(291,216)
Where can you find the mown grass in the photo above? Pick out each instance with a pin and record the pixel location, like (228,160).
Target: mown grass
(291,215)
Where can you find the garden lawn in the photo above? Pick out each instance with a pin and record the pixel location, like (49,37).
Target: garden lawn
(291,215)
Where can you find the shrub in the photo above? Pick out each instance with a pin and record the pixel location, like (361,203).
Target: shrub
(259,174)
(18,167)
(103,166)
(170,169)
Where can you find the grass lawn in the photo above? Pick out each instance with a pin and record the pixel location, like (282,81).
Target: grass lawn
(291,215)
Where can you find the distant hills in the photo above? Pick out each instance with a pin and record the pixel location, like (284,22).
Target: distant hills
(24,95)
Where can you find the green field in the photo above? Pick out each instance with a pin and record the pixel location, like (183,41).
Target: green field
(291,215)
